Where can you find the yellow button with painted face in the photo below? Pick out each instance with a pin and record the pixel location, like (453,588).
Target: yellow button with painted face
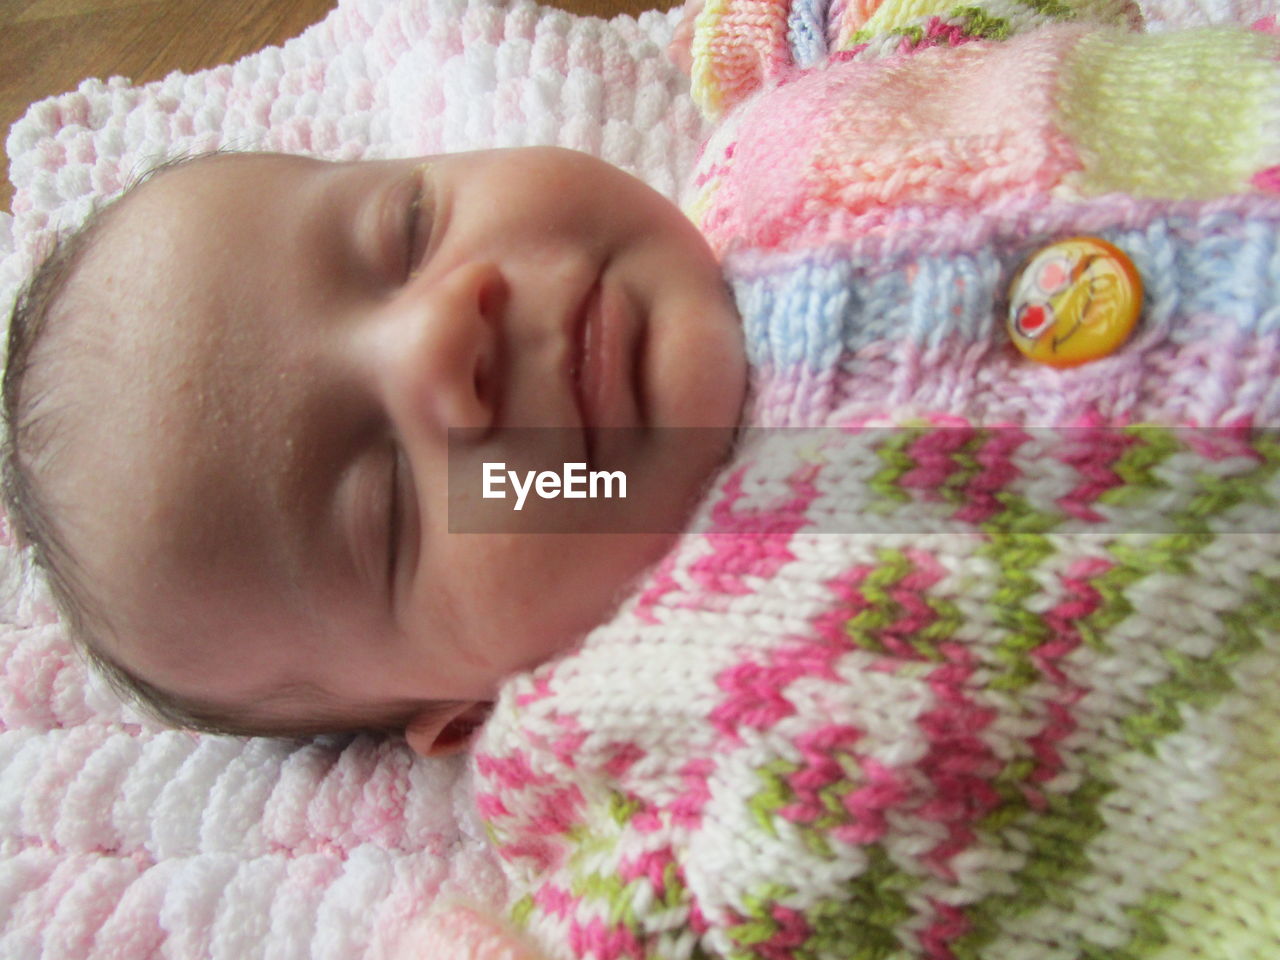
(1074,301)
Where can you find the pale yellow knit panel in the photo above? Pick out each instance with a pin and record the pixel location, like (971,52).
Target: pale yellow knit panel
(1209,138)
(1228,902)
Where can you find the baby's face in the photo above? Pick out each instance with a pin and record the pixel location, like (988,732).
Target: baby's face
(279,347)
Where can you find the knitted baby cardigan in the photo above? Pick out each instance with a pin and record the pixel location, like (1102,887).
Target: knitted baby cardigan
(1000,681)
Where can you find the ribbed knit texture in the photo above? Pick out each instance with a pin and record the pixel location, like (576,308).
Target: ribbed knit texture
(1028,709)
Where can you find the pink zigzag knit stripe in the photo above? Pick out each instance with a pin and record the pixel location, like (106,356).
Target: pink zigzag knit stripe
(753,541)
(949,924)
(959,764)
(997,471)
(512,772)
(907,594)
(686,809)
(662,583)
(820,769)
(883,791)
(596,938)
(964,767)
(556,900)
(541,690)
(792,933)
(1232,439)
(747,542)
(650,866)
(754,697)
(1081,600)
(1092,452)
(935,452)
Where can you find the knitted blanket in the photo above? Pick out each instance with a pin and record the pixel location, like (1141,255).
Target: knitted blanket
(121,840)
(983,668)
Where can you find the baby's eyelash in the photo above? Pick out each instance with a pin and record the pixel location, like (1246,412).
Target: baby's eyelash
(411,232)
(394,519)
(413,229)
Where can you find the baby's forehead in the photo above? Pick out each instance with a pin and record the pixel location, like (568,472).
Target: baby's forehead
(175,251)
(134,311)
(167,364)
(156,215)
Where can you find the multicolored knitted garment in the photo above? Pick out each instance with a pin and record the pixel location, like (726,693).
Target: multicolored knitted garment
(1000,683)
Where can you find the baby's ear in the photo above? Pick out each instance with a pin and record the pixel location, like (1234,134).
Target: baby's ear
(437,733)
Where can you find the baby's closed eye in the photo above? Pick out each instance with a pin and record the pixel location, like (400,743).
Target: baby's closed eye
(401,521)
(419,216)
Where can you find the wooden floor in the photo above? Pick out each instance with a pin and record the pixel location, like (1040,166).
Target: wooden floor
(49,46)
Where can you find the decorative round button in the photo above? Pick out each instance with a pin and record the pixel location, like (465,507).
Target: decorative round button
(1074,301)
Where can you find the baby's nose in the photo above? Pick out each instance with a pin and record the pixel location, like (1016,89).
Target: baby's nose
(453,371)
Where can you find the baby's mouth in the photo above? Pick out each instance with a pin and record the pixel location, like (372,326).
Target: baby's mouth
(601,369)
(585,364)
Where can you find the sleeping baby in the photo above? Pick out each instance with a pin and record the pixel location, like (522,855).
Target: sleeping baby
(945,619)
(279,346)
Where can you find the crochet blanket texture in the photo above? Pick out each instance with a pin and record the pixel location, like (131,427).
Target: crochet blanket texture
(120,840)
(985,668)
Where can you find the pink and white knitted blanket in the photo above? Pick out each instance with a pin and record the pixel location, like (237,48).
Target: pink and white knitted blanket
(959,659)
